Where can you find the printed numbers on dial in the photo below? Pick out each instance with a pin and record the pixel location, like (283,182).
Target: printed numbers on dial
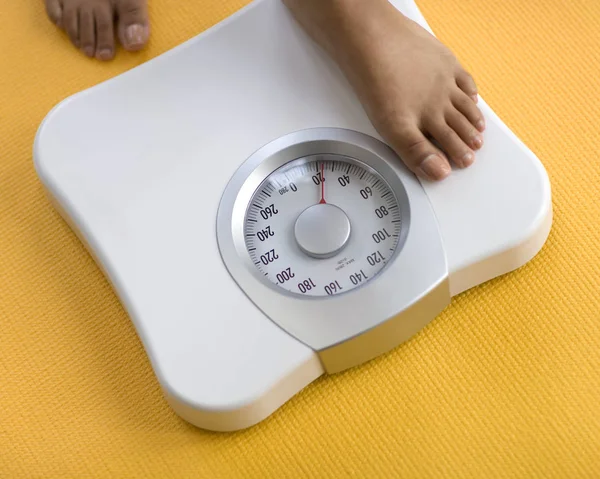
(359,191)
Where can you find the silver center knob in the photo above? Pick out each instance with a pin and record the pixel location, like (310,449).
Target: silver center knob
(322,230)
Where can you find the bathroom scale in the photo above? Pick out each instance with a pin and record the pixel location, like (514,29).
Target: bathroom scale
(258,230)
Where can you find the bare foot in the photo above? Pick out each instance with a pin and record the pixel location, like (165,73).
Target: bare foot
(412,87)
(91,26)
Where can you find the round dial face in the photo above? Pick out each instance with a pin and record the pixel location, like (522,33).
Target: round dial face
(322,225)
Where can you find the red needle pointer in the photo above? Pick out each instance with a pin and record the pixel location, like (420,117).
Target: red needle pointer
(322,202)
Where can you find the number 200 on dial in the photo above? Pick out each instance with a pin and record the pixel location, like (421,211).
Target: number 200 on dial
(322,225)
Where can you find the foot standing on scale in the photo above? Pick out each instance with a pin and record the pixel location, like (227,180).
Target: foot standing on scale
(412,87)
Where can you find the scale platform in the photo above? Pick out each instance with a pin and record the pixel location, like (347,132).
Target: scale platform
(255,226)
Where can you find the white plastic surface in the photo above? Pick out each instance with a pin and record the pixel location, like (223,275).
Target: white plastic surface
(145,199)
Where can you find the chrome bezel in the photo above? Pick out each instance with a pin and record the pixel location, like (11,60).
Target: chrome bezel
(322,322)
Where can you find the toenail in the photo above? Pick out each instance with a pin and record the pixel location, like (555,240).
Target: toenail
(435,167)
(134,35)
(105,54)
(477,141)
(88,50)
(475,98)
(467,160)
(480,125)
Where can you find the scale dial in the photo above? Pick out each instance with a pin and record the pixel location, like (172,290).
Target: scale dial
(322,225)
(328,233)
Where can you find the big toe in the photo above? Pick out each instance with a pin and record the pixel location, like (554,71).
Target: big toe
(419,154)
(134,27)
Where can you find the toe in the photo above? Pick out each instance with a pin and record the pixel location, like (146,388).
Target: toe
(134,28)
(105,36)
(418,153)
(54,11)
(87,30)
(71,25)
(464,129)
(466,83)
(450,142)
(464,105)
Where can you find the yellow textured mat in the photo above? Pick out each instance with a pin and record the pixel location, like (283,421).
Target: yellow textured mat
(505,383)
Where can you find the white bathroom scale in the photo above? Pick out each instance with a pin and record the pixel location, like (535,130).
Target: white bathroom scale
(255,226)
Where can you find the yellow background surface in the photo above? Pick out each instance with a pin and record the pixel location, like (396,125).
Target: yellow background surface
(505,383)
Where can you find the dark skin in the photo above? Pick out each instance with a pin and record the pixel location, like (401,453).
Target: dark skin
(411,85)
(93,25)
